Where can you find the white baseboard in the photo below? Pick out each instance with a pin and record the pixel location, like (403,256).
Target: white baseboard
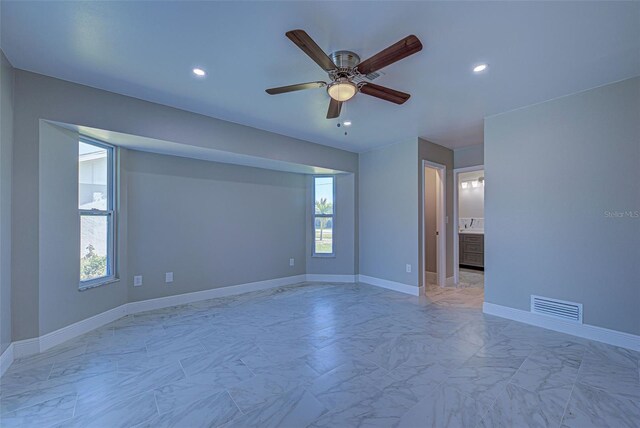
(391,285)
(318,277)
(196,296)
(591,332)
(36,345)
(6,359)
(24,348)
(79,328)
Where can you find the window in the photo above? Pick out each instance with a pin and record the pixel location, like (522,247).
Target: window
(323,215)
(96,202)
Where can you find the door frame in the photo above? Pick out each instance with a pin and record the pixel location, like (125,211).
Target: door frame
(456,238)
(441,253)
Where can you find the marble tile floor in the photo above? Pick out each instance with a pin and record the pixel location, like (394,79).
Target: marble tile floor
(323,355)
(469,293)
(471,278)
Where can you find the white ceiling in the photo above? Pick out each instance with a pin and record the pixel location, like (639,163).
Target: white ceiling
(536,51)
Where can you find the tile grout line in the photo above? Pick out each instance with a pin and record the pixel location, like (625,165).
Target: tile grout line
(183,370)
(397,319)
(247,365)
(155,400)
(75,404)
(38,403)
(566,406)
(50,371)
(234,402)
(486,412)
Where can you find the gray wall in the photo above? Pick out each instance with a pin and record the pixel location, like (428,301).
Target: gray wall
(556,170)
(468,156)
(211,224)
(6,153)
(39,97)
(443,156)
(388,213)
(76,104)
(344,234)
(59,238)
(390,189)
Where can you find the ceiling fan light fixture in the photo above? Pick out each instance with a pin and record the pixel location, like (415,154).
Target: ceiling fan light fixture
(342,90)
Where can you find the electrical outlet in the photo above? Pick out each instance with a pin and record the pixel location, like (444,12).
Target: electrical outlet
(292,262)
(168,277)
(408,268)
(137,280)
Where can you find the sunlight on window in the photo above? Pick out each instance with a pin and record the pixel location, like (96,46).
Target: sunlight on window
(95,204)
(323,190)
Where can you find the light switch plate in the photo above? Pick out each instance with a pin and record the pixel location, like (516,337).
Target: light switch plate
(408,268)
(137,280)
(168,277)
(292,262)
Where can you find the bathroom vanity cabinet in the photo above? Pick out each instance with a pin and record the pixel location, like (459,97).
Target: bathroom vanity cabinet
(472,249)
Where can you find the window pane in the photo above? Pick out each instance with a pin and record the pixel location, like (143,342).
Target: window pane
(324,195)
(94,232)
(324,235)
(93,177)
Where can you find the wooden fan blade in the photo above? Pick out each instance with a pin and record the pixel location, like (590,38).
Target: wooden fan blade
(306,43)
(384,93)
(402,49)
(298,87)
(334,109)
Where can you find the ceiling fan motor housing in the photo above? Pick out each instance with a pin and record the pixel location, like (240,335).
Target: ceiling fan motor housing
(345,59)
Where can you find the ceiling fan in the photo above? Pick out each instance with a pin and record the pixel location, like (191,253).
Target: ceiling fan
(347,73)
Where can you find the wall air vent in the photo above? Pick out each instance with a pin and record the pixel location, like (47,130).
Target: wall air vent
(555,308)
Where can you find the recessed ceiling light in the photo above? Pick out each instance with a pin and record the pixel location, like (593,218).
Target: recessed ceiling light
(347,123)
(479,68)
(199,72)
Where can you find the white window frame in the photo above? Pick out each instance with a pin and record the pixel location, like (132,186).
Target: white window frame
(109,213)
(331,216)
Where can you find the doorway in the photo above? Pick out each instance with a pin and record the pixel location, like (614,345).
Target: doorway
(468,217)
(434,224)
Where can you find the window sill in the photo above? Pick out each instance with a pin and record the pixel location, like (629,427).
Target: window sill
(90,285)
(324,256)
